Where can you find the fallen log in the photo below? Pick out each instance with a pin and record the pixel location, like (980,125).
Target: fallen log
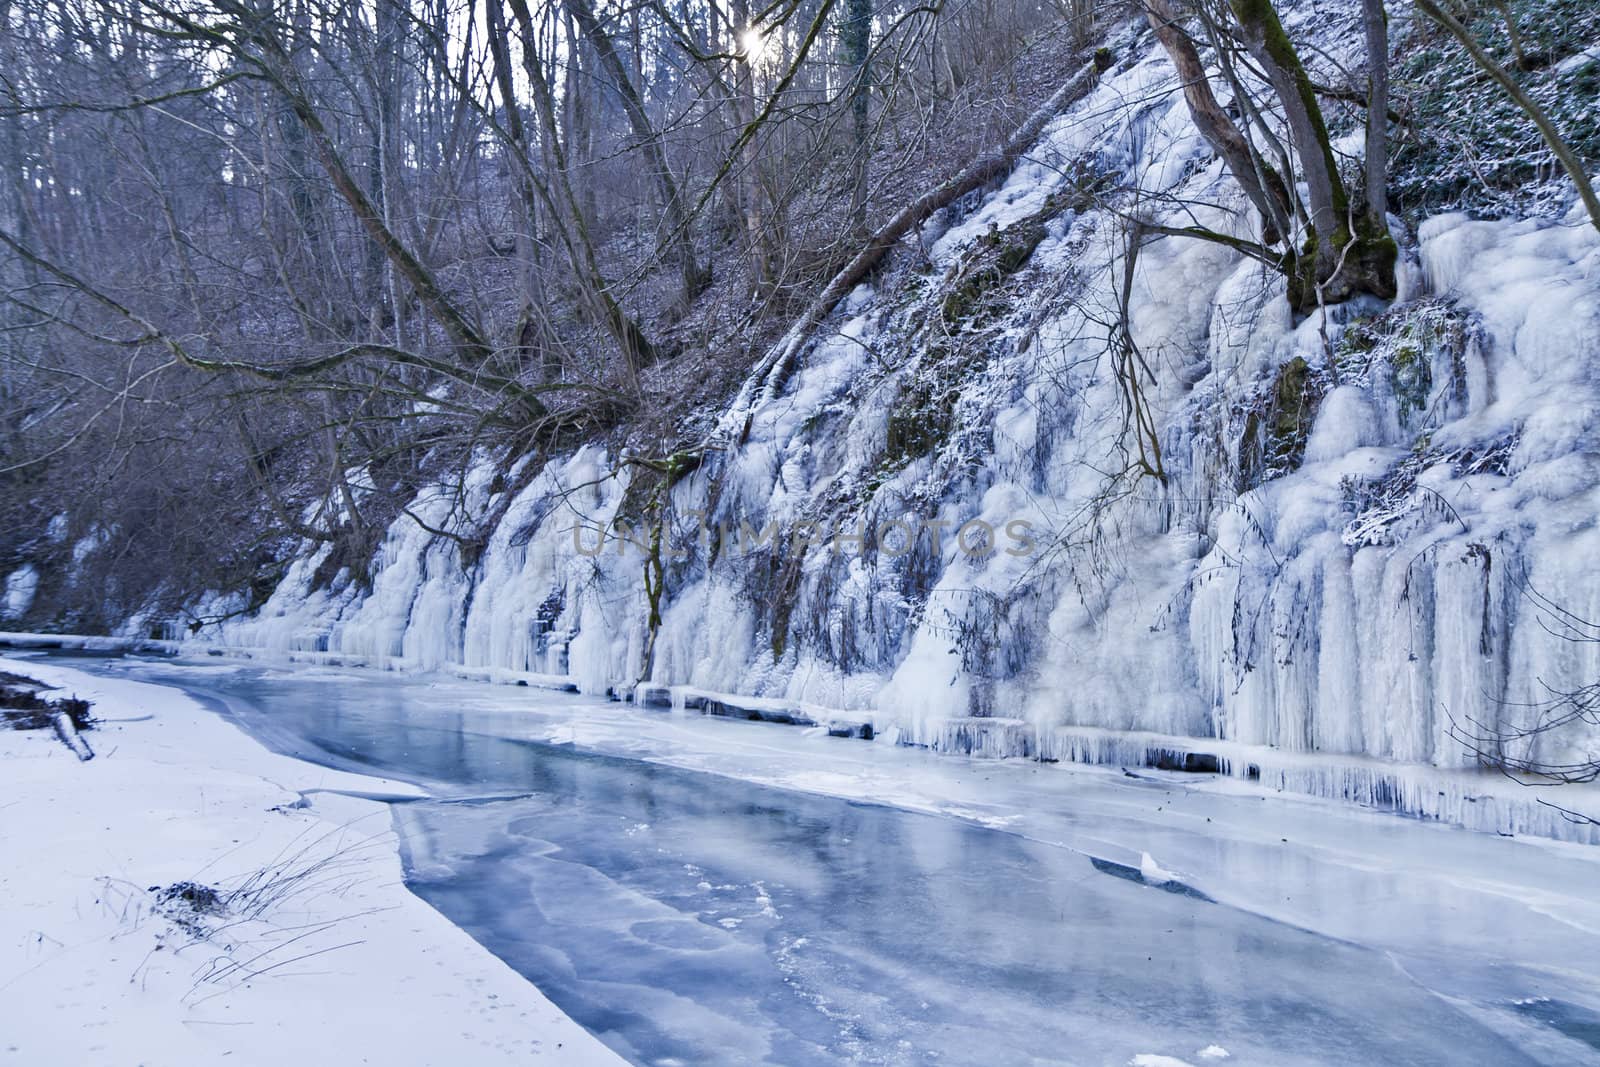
(69,735)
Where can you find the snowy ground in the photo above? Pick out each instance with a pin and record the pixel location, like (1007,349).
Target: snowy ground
(341,965)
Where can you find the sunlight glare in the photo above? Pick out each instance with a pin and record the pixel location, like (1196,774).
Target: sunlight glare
(752,42)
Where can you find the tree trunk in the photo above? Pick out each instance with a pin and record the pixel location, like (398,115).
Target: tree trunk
(530,333)
(387,42)
(1260,182)
(749,162)
(775,368)
(856,49)
(1375,23)
(1346,253)
(1269,43)
(637,352)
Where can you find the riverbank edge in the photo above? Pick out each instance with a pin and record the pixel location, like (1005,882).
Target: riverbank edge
(1480,800)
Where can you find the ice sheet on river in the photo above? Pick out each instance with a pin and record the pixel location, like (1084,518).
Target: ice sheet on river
(885,905)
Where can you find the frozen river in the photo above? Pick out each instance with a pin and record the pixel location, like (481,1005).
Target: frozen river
(698,891)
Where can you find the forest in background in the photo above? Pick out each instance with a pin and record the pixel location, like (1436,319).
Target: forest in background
(268,268)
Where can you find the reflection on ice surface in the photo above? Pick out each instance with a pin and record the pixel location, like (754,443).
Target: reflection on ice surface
(691,917)
(698,920)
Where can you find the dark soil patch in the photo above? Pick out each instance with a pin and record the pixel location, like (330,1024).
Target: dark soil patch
(22,708)
(189,904)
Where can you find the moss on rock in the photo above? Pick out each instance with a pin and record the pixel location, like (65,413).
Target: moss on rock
(1278,426)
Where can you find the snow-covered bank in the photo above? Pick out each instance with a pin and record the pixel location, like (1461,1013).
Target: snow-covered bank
(31,642)
(1470,798)
(342,964)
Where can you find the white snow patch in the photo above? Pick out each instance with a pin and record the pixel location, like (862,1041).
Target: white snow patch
(21,584)
(1152,872)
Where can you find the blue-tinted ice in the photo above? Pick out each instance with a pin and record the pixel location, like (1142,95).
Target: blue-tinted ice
(698,919)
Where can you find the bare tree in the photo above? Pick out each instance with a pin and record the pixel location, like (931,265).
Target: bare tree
(1344,248)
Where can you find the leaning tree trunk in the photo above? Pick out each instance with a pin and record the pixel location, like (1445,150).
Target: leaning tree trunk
(1348,252)
(532,332)
(1260,182)
(775,369)
(637,351)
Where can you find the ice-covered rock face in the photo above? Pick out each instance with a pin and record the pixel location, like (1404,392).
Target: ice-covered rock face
(1338,559)
(21,584)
